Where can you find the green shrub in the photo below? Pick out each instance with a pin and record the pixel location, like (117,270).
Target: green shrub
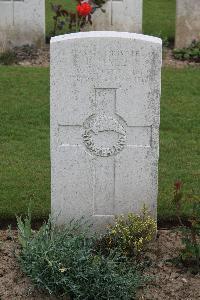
(130,235)
(191,53)
(63,262)
(8,58)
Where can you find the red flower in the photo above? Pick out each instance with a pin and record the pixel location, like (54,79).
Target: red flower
(177,185)
(84,9)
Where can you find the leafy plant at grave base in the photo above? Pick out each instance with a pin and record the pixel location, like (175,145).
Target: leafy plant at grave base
(165,42)
(190,254)
(165,39)
(130,235)
(63,262)
(191,53)
(8,58)
(75,21)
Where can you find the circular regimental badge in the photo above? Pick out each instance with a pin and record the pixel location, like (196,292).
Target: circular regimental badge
(97,125)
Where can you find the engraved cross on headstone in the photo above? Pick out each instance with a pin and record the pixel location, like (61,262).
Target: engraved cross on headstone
(104,136)
(12,7)
(113,3)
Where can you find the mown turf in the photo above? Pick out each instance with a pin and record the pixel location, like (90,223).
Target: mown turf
(158,16)
(179,136)
(24,139)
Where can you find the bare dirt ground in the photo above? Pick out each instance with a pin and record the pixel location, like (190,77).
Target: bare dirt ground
(168,282)
(13,284)
(170,61)
(31,56)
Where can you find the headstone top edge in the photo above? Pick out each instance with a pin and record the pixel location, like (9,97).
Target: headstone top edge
(106,34)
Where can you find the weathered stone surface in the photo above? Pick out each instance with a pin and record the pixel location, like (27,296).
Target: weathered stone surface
(187,22)
(21,22)
(120,15)
(105,100)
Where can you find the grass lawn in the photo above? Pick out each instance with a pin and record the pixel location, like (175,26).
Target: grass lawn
(24,139)
(158,16)
(179,136)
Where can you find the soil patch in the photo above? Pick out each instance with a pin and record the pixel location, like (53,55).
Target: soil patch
(14,285)
(168,281)
(32,56)
(169,60)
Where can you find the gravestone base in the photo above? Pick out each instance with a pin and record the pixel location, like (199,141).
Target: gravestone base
(187,22)
(22,22)
(16,38)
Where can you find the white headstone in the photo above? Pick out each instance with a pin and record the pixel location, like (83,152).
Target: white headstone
(120,15)
(105,114)
(187,22)
(22,22)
